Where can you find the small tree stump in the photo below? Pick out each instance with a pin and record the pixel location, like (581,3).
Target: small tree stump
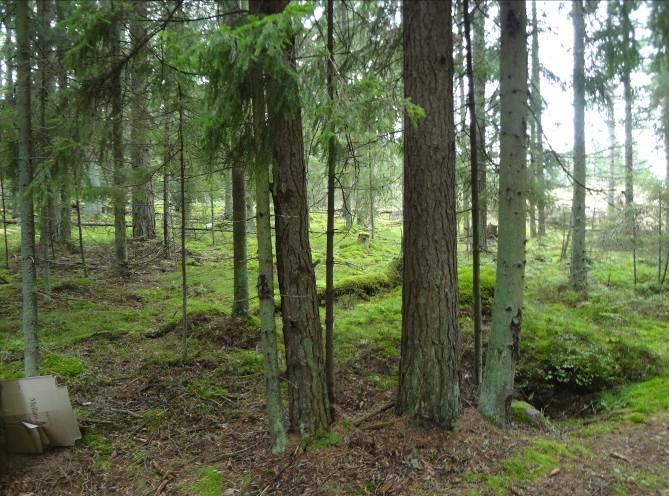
(363,239)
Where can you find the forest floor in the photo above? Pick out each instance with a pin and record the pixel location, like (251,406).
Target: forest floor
(155,424)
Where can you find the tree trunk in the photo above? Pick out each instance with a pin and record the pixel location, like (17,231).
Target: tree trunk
(480,78)
(143,209)
(307,395)
(23,113)
(166,188)
(578,268)
(4,217)
(182,196)
(266,279)
(476,218)
(329,255)
(47,217)
(227,194)
(611,122)
(429,382)
(627,90)
(240,305)
(504,345)
(538,143)
(118,186)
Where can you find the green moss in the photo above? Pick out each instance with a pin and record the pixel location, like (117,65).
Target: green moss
(209,483)
(649,397)
(529,464)
(99,443)
(65,366)
(321,440)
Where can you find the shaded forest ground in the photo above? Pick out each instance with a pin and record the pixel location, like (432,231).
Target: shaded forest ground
(154,424)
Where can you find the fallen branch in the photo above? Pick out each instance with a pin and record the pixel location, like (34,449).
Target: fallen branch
(374,413)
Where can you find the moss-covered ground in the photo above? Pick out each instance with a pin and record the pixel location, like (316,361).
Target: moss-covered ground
(598,366)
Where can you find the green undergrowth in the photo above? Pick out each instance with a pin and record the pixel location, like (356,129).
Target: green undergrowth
(528,465)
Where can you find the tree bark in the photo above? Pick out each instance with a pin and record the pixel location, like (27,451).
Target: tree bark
(538,142)
(578,268)
(118,175)
(307,394)
(143,209)
(476,218)
(23,124)
(240,305)
(480,79)
(611,122)
(266,278)
(504,345)
(329,255)
(429,382)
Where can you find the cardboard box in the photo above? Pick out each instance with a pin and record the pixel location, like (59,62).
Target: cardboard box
(36,413)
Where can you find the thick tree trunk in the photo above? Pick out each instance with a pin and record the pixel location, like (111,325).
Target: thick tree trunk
(578,268)
(538,142)
(143,209)
(307,395)
(118,175)
(504,345)
(240,305)
(266,279)
(429,382)
(23,113)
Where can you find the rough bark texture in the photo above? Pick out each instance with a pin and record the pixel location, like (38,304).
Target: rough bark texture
(266,281)
(429,383)
(23,112)
(538,142)
(307,397)
(118,175)
(143,209)
(240,306)
(503,347)
(578,268)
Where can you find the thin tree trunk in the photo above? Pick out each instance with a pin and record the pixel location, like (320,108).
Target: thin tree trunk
(659,235)
(240,305)
(329,255)
(81,239)
(307,394)
(266,279)
(476,228)
(166,191)
(538,145)
(182,193)
(478,54)
(212,217)
(611,122)
(370,170)
(23,113)
(143,208)
(118,187)
(504,346)
(227,194)
(4,217)
(46,217)
(430,360)
(578,268)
